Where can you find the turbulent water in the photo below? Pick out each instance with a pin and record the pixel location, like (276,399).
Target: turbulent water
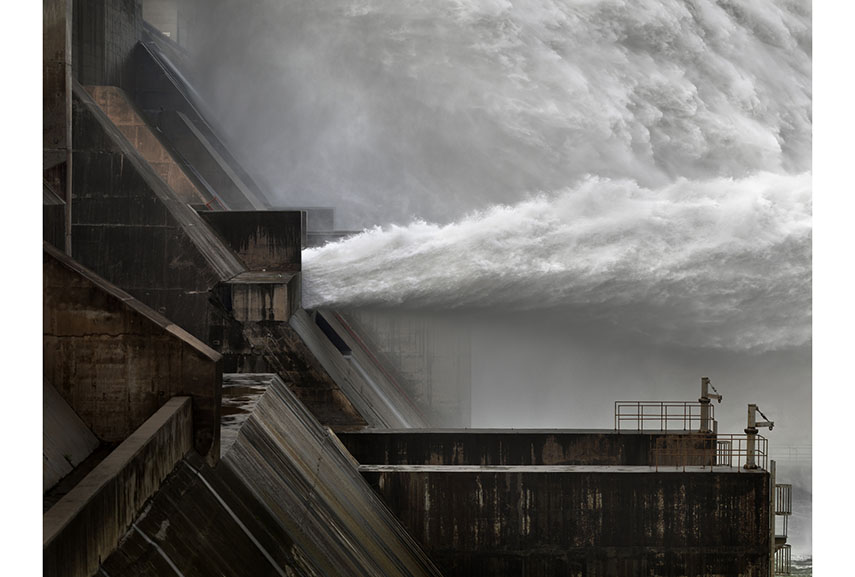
(711,263)
(643,163)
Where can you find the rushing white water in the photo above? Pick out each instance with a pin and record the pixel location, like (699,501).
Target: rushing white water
(713,263)
(644,163)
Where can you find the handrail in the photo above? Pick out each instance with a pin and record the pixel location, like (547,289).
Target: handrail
(723,450)
(661,415)
(783,499)
(783,560)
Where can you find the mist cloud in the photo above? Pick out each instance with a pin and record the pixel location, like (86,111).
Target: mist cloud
(392,110)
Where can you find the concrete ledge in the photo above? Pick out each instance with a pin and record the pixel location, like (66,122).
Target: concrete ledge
(526,447)
(261,296)
(268,240)
(85,526)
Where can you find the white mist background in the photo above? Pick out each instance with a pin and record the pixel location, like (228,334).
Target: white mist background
(620,192)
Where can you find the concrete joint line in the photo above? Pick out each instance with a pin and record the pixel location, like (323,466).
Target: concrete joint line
(159,550)
(237,520)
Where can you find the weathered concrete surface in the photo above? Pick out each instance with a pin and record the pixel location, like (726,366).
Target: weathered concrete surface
(517,447)
(364,398)
(116,361)
(56,117)
(261,296)
(104,35)
(133,230)
(86,525)
(122,113)
(429,356)
(56,44)
(274,347)
(53,217)
(170,105)
(264,240)
(206,522)
(241,393)
(285,499)
(375,398)
(365,377)
(66,440)
(607,521)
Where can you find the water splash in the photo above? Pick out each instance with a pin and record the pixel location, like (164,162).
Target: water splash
(722,262)
(671,140)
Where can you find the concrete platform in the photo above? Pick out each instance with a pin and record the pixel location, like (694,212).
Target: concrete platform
(551,469)
(605,447)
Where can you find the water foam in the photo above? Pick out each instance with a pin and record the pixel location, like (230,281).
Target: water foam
(720,262)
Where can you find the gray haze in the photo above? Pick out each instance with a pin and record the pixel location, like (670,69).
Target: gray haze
(614,195)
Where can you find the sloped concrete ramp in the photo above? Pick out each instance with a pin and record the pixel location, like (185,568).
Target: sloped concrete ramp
(285,499)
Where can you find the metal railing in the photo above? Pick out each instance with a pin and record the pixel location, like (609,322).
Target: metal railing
(781,527)
(660,415)
(718,450)
(783,560)
(783,499)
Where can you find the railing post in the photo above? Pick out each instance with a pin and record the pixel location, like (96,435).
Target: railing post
(772,517)
(704,400)
(751,432)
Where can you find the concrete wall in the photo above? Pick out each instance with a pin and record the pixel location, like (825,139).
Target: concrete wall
(56,39)
(115,361)
(517,447)
(429,356)
(134,231)
(122,113)
(85,526)
(257,297)
(263,240)
(66,440)
(56,117)
(375,389)
(53,217)
(104,35)
(542,521)
(274,347)
(170,106)
(374,407)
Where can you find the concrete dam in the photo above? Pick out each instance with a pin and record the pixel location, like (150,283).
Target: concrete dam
(199,421)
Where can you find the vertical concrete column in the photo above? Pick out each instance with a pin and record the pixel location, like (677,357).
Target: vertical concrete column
(706,397)
(772,508)
(56,95)
(751,432)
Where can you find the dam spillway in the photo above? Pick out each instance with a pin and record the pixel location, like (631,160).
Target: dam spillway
(206,423)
